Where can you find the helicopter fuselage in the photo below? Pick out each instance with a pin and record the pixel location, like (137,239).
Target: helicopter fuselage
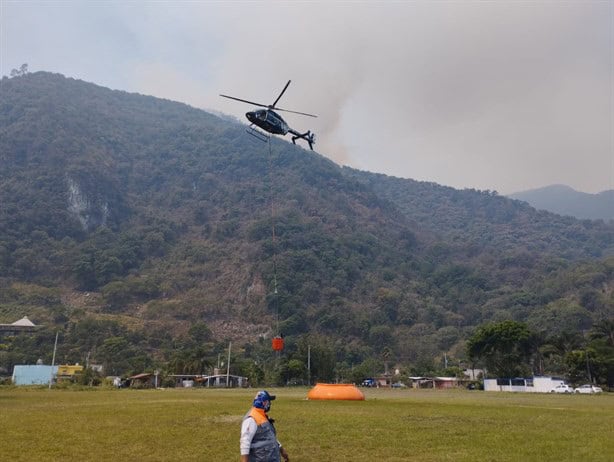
(269,121)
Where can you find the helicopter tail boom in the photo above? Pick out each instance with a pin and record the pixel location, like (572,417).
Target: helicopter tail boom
(307,136)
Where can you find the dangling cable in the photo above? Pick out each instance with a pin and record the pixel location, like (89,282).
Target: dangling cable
(273,237)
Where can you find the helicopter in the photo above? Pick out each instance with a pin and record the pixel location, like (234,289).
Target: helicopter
(271,122)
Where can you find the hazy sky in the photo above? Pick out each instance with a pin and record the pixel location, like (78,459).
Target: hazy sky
(500,95)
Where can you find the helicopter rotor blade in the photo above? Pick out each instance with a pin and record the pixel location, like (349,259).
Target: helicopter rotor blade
(295,112)
(245,101)
(272,106)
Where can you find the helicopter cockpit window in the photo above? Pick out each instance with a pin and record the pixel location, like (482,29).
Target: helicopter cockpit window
(272,117)
(261,114)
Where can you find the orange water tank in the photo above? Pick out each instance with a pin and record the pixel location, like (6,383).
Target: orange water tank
(278,343)
(340,391)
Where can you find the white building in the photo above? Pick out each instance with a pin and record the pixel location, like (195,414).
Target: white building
(527,385)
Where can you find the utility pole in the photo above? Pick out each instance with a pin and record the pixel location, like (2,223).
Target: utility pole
(55,347)
(309,365)
(228,366)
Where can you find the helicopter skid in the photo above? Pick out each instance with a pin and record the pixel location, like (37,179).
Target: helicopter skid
(257,134)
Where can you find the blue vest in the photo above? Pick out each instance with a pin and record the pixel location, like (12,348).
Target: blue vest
(264,446)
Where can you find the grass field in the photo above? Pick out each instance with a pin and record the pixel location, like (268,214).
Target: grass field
(391,425)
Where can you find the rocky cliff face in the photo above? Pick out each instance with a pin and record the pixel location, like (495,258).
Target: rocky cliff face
(90,211)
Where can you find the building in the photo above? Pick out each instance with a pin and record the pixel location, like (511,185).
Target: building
(42,375)
(383,381)
(34,375)
(439,383)
(474,374)
(442,383)
(68,372)
(24,325)
(144,380)
(535,384)
(216,380)
(219,380)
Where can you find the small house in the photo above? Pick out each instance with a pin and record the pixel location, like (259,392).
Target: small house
(439,383)
(383,381)
(443,383)
(421,382)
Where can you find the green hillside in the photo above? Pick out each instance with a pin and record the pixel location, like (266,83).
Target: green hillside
(142,229)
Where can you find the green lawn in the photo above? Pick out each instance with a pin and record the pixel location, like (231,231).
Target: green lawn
(391,425)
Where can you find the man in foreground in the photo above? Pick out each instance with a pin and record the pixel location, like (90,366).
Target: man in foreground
(258,437)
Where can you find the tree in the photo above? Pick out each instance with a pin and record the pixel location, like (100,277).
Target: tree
(322,357)
(370,367)
(296,369)
(116,294)
(604,329)
(200,332)
(23,70)
(114,352)
(556,348)
(505,348)
(602,357)
(579,364)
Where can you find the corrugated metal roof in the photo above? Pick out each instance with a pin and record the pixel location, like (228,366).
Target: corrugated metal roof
(141,376)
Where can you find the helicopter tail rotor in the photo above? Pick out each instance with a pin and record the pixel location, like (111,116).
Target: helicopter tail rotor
(311,139)
(308,136)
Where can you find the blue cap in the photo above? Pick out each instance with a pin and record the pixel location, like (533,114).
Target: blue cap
(261,397)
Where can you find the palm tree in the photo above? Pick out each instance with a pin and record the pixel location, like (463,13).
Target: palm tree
(563,343)
(604,329)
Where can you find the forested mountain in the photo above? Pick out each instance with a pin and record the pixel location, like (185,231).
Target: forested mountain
(564,200)
(143,230)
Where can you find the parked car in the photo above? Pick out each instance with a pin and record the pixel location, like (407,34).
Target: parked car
(368,383)
(562,388)
(398,385)
(588,388)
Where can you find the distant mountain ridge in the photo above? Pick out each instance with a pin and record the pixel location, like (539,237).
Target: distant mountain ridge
(564,200)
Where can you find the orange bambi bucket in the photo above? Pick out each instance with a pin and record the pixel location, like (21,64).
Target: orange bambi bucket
(278,343)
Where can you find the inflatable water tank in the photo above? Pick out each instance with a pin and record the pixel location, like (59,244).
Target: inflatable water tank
(335,391)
